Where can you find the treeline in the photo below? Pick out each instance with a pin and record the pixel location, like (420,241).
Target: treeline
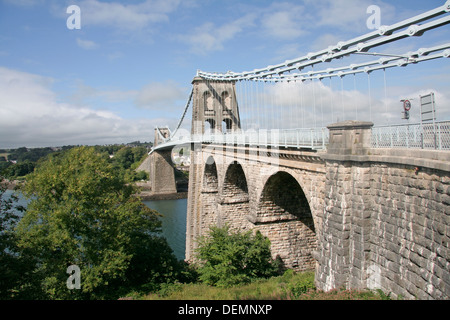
(15,164)
(82,215)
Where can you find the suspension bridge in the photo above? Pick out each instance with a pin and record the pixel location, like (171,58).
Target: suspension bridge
(289,104)
(285,150)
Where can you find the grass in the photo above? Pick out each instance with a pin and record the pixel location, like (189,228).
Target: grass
(290,286)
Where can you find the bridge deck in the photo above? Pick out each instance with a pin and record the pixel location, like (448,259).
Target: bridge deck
(291,138)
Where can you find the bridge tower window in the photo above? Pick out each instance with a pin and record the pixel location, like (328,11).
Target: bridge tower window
(226,101)
(210,126)
(227,125)
(208,101)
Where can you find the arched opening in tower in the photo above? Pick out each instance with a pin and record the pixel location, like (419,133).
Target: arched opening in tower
(210,126)
(227,125)
(210,180)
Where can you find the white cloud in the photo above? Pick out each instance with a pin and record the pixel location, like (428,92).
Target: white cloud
(85,93)
(126,17)
(24,3)
(285,21)
(114,55)
(324,40)
(320,103)
(156,96)
(86,44)
(209,37)
(31,115)
(159,96)
(347,15)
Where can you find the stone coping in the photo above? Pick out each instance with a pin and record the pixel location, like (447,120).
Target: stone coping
(439,160)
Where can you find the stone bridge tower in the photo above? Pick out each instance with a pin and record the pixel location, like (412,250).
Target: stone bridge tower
(162,175)
(160,135)
(215,108)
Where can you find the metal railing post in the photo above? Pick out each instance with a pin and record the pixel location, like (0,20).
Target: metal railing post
(440,136)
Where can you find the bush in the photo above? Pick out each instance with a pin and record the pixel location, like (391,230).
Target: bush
(229,258)
(305,286)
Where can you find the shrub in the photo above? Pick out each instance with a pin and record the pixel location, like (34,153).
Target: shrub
(229,258)
(306,285)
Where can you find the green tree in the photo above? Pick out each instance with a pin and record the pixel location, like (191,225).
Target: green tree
(229,258)
(81,213)
(15,269)
(139,153)
(124,157)
(19,169)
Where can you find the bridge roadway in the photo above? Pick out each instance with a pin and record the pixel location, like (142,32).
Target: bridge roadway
(312,138)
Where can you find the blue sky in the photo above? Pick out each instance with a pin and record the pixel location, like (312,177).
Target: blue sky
(130,66)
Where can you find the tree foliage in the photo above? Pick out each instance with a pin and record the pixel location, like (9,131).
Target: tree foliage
(16,269)
(82,213)
(19,169)
(229,258)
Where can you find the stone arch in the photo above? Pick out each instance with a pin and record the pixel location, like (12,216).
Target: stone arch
(208,195)
(210,178)
(234,198)
(285,217)
(308,187)
(235,188)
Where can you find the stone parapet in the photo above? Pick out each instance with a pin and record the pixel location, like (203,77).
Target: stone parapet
(386,217)
(349,138)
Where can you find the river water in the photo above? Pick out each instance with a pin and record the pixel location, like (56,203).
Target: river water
(173,220)
(173,223)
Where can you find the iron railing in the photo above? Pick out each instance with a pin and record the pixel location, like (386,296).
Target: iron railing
(316,138)
(435,136)
(413,136)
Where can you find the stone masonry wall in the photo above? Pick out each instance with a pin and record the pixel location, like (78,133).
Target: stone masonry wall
(162,175)
(377,218)
(386,222)
(287,208)
(410,230)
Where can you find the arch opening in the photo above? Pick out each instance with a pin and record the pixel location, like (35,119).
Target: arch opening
(284,215)
(210,179)
(235,187)
(234,199)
